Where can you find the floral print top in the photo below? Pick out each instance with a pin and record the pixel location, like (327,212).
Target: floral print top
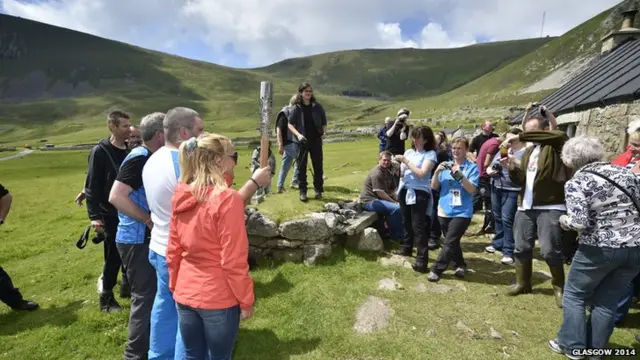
(602,214)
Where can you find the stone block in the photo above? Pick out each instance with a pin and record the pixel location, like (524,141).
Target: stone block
(335,222)
(279,243)
(310,229)
(258,225)
(361,222)
(367,240)
(257,241)
(289,255)
(314,252)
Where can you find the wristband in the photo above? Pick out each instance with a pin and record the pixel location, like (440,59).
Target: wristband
(255,182)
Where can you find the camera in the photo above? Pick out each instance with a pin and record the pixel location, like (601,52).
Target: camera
(498,169)
(539,107)
(447,165)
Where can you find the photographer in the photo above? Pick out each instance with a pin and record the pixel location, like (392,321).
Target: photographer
(504,197)
(398,132)
(8,294)
(486,154)
(456,182)
(534,109)
(542,176)
(414,194)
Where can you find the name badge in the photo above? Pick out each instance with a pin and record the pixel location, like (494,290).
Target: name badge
(456,198)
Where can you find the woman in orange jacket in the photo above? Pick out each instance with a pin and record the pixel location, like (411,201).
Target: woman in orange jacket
(208,249)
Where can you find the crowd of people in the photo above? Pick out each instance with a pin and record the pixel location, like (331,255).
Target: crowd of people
(160,197)
(534,184)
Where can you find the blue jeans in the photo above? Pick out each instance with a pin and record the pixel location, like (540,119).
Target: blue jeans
(209,332)
(391,213)
(625,302)
(602,275)
(290,154)
(505,205)
(165,342)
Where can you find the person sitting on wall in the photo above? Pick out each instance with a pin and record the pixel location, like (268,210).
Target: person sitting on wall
(378,195)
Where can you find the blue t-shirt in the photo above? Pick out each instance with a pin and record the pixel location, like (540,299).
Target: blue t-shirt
(448,206)
(409,179)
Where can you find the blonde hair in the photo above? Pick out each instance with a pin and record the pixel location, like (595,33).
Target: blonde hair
(293,100)
(633,130)
(199,166)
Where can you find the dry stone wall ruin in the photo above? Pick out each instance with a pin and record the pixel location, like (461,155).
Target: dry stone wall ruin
(311,238)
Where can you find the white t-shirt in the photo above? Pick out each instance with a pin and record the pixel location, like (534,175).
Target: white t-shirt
(527,199)
(160,178)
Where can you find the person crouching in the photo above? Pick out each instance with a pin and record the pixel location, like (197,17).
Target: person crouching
(208,249)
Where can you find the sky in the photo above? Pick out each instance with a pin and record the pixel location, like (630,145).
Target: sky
(254,33)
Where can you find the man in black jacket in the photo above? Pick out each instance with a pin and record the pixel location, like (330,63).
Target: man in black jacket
(8,294)
(104,163)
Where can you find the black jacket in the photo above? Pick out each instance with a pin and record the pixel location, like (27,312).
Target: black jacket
(101,175)
(296,118)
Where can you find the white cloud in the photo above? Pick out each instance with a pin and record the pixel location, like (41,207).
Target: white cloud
(269,31)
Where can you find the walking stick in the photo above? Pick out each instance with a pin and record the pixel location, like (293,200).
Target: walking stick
(266,102)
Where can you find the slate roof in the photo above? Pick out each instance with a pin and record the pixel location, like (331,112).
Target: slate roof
(614,78)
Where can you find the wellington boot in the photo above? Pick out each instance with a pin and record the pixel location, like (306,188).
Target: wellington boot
(524,268)
(557,281)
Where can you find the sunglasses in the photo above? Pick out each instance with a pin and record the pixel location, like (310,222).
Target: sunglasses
(234,157)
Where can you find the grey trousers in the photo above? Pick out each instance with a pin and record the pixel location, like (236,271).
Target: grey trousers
(142,280)
(543,225)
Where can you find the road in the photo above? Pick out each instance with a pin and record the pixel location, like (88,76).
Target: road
(19,155)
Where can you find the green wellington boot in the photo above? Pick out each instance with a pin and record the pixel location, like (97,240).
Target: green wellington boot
(524,269)
(557,281)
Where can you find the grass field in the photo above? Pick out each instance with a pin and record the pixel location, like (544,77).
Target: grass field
(301,312)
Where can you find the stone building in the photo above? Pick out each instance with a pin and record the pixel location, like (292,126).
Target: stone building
(605,97)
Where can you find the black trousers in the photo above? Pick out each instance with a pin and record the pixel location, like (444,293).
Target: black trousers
(143,283)
(436,230)
(8,294)
(112,261)
(481,197)
(313,148)
(416,225)
(453,229)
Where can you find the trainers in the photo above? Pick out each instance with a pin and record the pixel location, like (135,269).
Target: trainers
(555,347)
(318,195)
(507,260)
(303,197)
(281,190)
(295,185)
(433,277)
(108,303)
(26,305)
(460,272)
(490,249)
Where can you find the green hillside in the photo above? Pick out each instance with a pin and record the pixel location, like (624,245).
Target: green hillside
(58,83)
(403,72)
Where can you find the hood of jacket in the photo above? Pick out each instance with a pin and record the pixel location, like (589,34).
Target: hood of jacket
(184,200)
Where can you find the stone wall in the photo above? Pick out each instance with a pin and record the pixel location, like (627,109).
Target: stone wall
(609,124)
(308,239)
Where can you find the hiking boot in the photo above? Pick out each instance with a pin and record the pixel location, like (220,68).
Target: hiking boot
(125,290)
(433,277)
(26,305)
(318,195)
(434,244)
(108,303)
(524,269)
(557,281)
(460,272)
(281,190)
(420,268)
(303,197)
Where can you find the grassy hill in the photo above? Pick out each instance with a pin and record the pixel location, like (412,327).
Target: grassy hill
(403,72)
(58,83)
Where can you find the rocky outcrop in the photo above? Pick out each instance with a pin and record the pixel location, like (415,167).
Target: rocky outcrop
(312,238)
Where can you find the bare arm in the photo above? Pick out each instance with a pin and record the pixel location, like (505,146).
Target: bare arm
(422,172)
(295,132)
(392,129)
(119,197)
(435,180)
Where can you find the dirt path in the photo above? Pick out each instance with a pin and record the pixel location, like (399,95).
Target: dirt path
(19,155)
